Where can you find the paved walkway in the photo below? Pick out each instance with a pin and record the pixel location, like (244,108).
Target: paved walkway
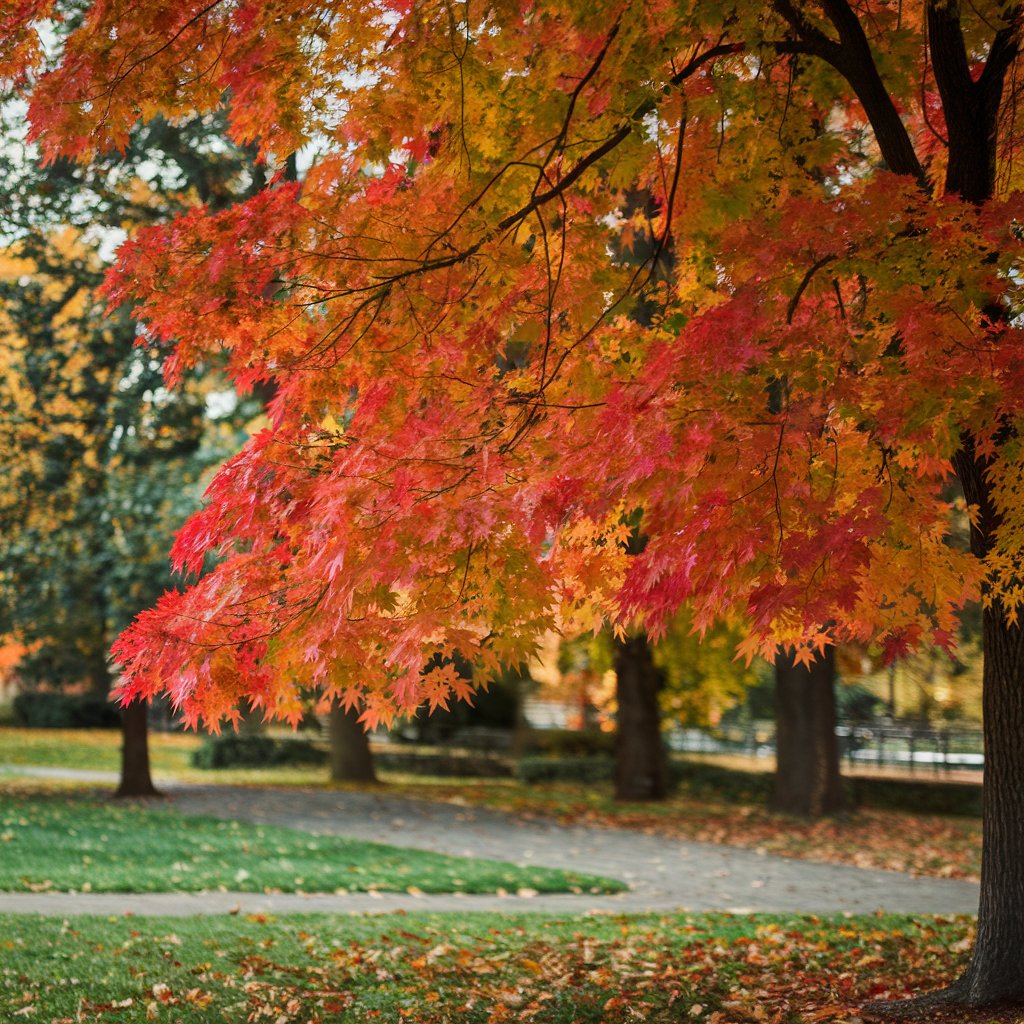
(663,874)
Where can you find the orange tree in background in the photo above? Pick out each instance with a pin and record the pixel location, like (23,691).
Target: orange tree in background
(477,390)
(102,461)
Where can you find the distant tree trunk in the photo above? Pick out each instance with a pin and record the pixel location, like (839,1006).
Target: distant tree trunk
(640,768)
(807,780)
(351,759)
(135,777)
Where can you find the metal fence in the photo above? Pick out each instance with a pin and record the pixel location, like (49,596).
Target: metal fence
(911,746)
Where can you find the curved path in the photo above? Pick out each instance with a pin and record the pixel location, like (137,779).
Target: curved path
(664,874)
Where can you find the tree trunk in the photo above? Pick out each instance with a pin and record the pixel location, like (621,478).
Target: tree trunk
(135,777)
(807,780)
(640,768)
(996,970)
(351,757)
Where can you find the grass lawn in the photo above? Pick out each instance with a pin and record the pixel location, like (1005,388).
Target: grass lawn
(92,749)
(169,754)
(57,842)
(471,968)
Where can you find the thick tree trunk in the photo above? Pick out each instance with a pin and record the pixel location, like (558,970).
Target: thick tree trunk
(995,974)
(996,971)
(135,777)
(807,780)
(640,767)
(351,758)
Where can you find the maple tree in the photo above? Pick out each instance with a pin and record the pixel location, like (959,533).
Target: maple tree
(476,391)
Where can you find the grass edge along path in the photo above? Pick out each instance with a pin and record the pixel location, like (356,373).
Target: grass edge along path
(50,842)
(930,845)
(474,968)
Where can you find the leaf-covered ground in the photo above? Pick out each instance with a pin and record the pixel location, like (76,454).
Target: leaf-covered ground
(72,843)
(474,969)
(934,845)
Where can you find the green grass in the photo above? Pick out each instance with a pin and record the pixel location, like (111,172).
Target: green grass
(72,843)
(90,749)
(170,754)
(471,968)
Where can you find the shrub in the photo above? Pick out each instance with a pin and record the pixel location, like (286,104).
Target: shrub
(44,709)
(565,769)
(939,797)
(569,743)
(699,777)
(913,795)
(468,766)
(236,750)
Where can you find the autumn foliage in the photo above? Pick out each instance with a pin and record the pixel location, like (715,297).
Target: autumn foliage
(550,265)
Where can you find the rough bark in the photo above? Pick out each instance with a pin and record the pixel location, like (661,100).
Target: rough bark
(640,767)
(995,974)
(996,971)
(135,776)
(807,779)
(351,759)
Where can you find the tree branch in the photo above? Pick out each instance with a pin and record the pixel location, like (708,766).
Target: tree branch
(1001,54)
(851,56)
(794,302)
(950,66)
(971,107)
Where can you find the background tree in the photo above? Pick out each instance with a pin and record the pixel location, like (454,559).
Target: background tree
(703,678)
(104,459)
(465,398)
(641,767)
(351,759)
(682,679)
(807,780)
(104,464)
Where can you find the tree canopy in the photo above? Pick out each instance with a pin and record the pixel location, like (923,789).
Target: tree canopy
(470,388)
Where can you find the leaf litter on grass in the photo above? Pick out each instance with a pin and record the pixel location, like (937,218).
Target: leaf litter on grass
(474,968)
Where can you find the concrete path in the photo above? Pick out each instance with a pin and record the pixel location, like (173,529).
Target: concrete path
(663,874)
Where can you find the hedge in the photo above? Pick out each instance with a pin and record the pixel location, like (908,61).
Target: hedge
(706,779)
(40,709)
(242,750)
(467,766)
